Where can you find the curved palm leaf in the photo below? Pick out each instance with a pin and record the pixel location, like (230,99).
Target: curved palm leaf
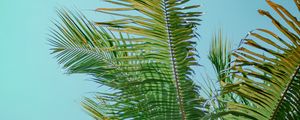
(267,67)
(150,74)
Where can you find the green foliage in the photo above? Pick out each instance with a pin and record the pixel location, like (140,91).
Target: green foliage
(145,58)
(220,57)
(168,26)
(148,73)
(220,54)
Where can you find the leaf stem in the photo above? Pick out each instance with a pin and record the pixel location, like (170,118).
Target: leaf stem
(285,91)
(173,60)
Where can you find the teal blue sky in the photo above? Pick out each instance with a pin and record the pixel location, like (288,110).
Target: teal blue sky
(34,87)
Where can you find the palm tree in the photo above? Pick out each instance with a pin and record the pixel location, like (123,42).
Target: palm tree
(146,57)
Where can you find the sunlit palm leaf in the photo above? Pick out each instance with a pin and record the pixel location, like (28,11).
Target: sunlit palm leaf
(268,68)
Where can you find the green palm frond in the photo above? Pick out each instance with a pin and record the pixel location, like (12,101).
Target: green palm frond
(220,57)
(84,48)
(149,72)
(267,67)
(168,27)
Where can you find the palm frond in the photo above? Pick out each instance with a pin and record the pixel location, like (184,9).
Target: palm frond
(84,48)
(220,57)
(149,72)
(168,26)
(268,68)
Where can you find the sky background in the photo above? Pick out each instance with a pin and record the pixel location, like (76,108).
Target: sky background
(34,87)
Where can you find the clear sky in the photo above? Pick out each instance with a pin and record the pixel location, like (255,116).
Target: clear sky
(34,87)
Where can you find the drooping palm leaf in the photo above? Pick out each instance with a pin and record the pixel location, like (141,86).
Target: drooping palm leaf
(268,68)
(150,74)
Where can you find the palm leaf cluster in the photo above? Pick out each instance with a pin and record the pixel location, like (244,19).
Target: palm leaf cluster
(149,71)
(267,67)
(168,27)
(145,58)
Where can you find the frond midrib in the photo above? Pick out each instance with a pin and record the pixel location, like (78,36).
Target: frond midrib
(173,62)
(284,93)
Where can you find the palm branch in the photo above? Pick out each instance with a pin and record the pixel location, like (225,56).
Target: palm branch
(268,69)
(149,71)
